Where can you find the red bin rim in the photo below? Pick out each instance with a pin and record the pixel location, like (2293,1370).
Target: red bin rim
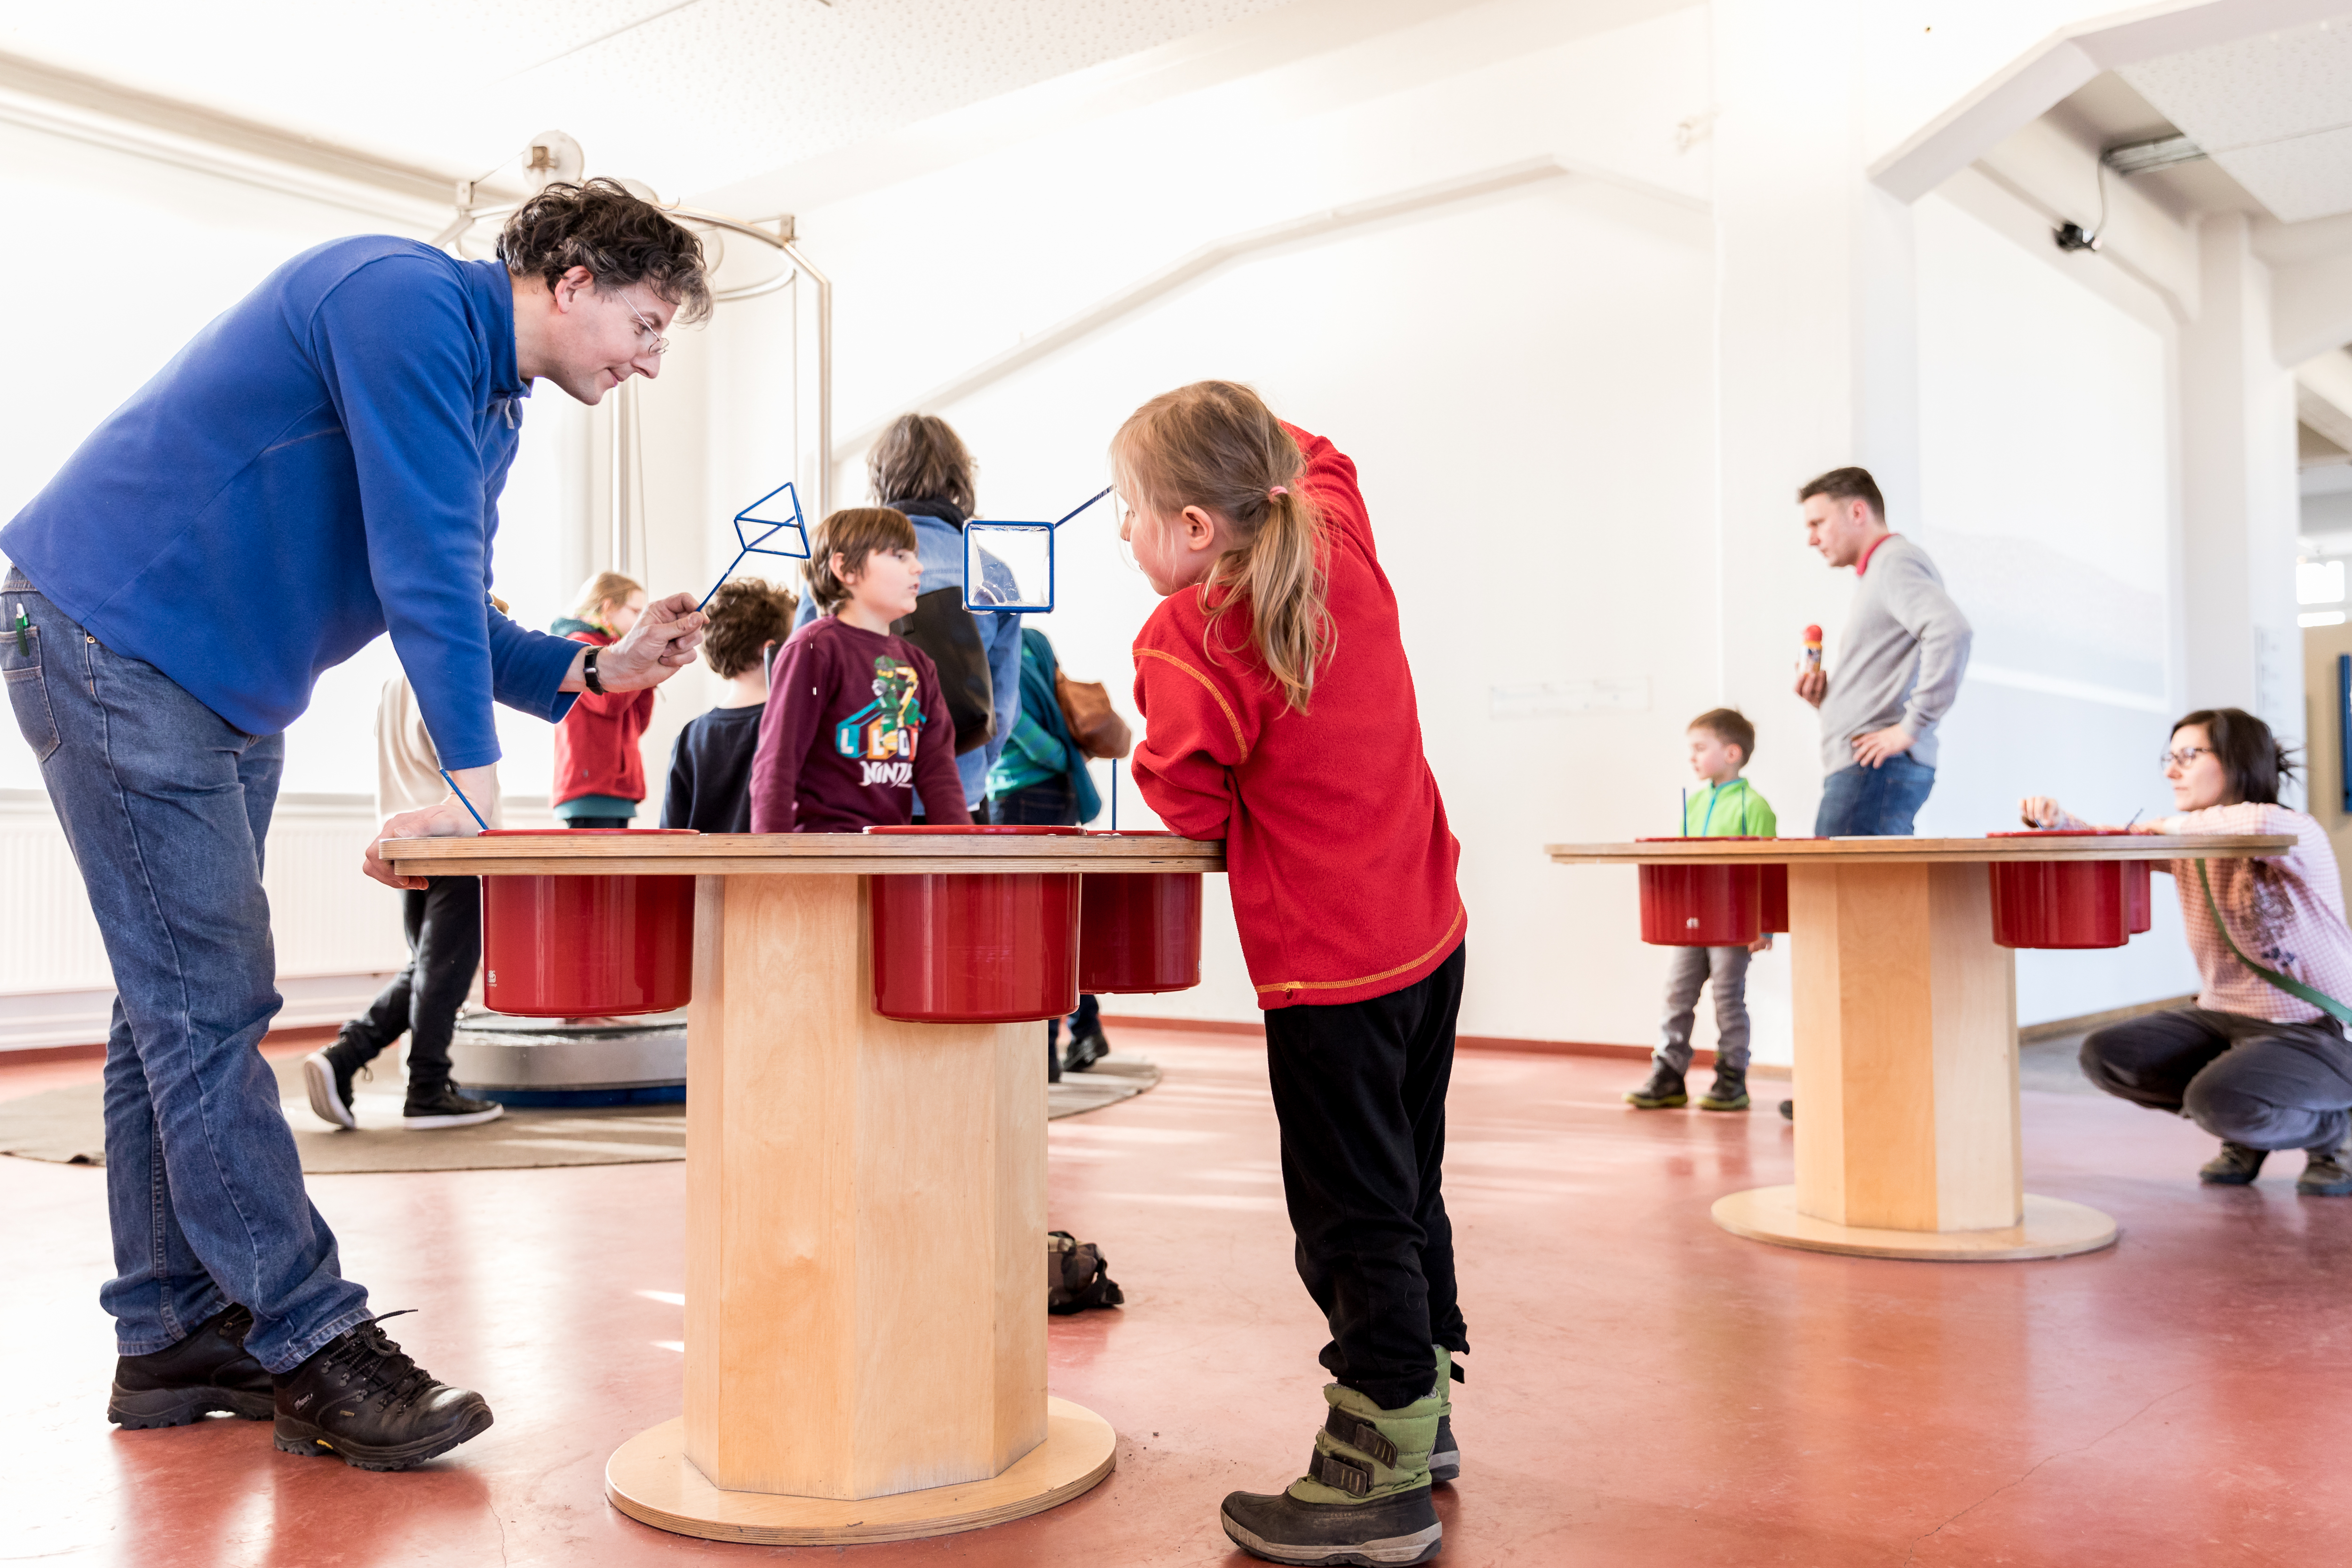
(584,832)
(1002,829)
(2061,833)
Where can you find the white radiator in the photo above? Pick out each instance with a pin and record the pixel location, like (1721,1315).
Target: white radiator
(338,934)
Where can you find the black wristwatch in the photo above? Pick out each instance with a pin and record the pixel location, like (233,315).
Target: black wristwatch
(588,672)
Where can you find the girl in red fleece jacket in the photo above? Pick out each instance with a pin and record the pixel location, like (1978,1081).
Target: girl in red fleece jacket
(1279,716)
(600,774)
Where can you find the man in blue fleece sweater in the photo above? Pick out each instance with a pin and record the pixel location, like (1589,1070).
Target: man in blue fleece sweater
(320,464)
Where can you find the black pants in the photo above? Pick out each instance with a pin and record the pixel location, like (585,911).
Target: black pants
(1361,1092)
(595,822)
(2246,1081)
(444,943)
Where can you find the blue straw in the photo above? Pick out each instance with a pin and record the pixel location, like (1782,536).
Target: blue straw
(463,800)
(1086,503)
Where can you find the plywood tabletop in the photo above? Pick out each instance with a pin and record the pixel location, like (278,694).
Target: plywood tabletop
(1919,851)
(563,854)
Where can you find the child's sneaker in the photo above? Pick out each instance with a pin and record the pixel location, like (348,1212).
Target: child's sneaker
(1731,1091)
(1662,1090)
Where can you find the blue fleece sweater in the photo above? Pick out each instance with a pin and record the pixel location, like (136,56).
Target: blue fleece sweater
(321,462)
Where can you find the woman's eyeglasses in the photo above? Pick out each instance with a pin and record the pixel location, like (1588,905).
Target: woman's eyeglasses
(2183,757)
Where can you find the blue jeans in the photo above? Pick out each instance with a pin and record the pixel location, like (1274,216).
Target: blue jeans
(1877,802)
(166,807)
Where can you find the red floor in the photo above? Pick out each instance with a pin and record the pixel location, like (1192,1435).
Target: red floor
(1646,1388)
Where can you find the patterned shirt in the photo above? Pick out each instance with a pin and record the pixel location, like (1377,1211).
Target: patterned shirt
(2287,913)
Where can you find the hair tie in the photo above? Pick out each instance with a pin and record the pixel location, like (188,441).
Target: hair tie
(1277,491)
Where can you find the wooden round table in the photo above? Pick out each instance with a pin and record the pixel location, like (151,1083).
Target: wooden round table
(865,1203)
(1908,1136)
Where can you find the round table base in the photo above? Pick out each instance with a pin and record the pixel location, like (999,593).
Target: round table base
(2053,1227)
(650,1479)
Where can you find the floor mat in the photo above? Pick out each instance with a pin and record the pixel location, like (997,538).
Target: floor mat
(66,1126)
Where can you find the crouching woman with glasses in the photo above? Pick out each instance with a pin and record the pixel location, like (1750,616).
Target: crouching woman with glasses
(2262,1061)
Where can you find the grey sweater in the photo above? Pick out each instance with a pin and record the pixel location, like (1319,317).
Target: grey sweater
(1900,661)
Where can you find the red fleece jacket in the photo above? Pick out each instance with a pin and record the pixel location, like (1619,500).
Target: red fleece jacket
(596,745)
(1336,852)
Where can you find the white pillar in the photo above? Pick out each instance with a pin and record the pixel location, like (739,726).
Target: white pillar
(2241,645)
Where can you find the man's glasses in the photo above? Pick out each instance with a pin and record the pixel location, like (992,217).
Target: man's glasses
(655,342)
(2183,757)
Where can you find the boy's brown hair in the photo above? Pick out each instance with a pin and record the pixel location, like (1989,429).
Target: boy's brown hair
(853,533)
(746,615)
(921,458)
(1731,726)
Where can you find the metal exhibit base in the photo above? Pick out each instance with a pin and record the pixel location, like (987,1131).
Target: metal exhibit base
(527,1062)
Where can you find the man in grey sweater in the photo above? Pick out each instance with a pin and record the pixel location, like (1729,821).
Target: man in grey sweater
(1900,663)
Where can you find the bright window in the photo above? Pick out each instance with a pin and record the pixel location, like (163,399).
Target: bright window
(2318,582)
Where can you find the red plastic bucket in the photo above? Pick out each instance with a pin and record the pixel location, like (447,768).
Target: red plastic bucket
(987,947)
(1139,931)
(1773,910)
(2067,903)
(1701,906)
(2135,883)
(580,947)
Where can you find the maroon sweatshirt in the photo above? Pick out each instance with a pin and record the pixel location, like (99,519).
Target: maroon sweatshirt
(855,724)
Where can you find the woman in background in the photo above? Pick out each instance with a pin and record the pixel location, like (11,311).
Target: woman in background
(600,775)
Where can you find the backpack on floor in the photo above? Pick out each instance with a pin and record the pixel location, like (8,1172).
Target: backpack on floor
(1076,1275)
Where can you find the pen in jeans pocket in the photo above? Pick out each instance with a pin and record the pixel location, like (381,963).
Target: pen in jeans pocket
(23,625)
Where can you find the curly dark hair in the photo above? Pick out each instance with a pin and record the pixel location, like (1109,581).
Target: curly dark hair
(747,614)
(2250,756)
(619,238)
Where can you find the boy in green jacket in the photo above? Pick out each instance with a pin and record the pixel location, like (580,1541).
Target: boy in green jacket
(1721,741)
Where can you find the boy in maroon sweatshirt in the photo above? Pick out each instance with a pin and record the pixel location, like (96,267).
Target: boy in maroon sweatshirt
(856,725)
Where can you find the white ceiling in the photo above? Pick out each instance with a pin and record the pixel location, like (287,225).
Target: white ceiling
(2273,110)
(683,94)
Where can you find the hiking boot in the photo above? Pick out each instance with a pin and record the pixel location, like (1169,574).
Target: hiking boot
(208,1371)
(2234,1166)
(1444,1453)
(1085,1050)
(1662,1090)
(1365,1497)
(2324,1175)
(328,1076)
(361,1400)
(1731,1091)
(445,1107)
(1787,1110)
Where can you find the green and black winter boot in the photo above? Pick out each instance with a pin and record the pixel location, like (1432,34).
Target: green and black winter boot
(1365,1497)
(1444,1453)
(1731,1091)
(1662,1090)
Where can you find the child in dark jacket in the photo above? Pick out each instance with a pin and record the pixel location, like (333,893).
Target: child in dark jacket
(1280,717)
(600,774)
(856,722)
(711,767)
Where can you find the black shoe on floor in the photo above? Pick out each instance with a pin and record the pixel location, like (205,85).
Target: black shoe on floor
(1787,1110)
(363,1401)
(208,1371)
(2234,1166)
(1085,1052)
(328,1076)
(1730,1093)
(2324,1175)
(1445,1454)
(1279,1528)
(1662,1090)
(445,1107)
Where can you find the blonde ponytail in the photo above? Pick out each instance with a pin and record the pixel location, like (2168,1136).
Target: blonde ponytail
(1216,446)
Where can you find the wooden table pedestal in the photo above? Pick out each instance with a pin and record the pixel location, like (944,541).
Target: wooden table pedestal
(1906,1011)
(866,1207)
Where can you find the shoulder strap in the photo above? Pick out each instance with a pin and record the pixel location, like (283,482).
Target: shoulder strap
(2288,983)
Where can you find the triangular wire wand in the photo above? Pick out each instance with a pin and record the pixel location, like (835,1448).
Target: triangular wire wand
(774,526)
(1086,503)
(463,800)
(1114,781)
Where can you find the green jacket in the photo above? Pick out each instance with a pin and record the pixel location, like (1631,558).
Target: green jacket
(1736,810)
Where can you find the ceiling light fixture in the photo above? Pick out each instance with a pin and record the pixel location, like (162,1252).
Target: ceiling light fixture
(2142,157)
